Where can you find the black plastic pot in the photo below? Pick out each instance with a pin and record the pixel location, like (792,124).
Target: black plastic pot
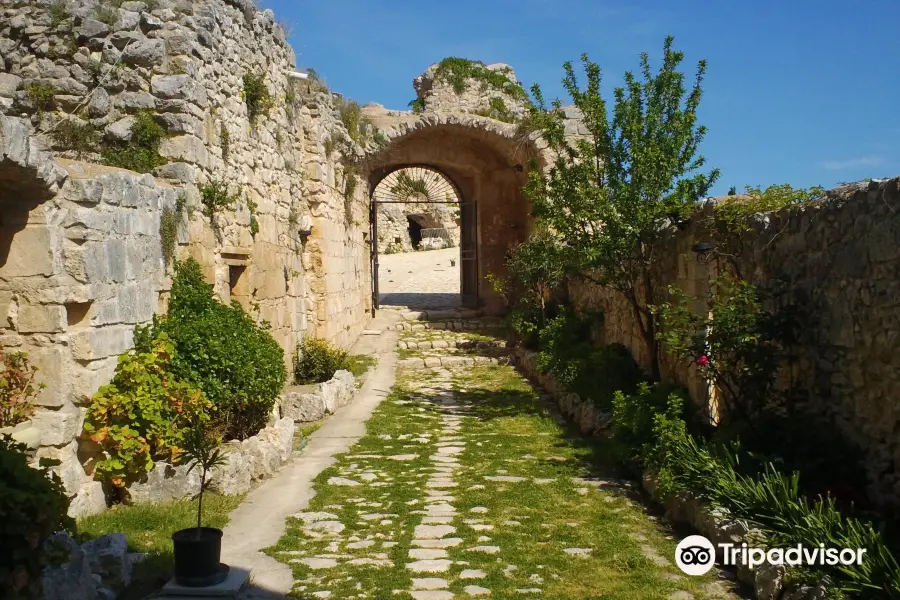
(197,553)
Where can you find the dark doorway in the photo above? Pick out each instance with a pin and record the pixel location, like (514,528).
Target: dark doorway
(415,231)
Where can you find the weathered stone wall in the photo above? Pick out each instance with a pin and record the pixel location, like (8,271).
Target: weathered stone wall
(77,272)
(840,259)
(438,95)
(393,224)
(82,252)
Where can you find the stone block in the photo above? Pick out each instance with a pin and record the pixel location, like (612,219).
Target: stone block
(71,580)
(24,433)
(165,482)
(93,344)
(9,84)
(263,458)
(185,148)
(233,477)
(146,53)
(108,557)
(132,101)
(59,427)
(30,253)
(179,87)
(69,468)
(90,500)
(88,379)
(41,318)
(54,371)
(303,406)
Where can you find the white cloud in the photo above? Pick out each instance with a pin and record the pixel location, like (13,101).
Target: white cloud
(853,163)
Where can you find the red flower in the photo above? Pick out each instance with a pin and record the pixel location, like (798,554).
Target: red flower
(703,361)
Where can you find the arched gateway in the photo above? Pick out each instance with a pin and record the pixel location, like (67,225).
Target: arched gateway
(485,161)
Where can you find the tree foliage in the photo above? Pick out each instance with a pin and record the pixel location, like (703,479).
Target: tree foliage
(610,195)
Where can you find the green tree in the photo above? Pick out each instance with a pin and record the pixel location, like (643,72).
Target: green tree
(611,194)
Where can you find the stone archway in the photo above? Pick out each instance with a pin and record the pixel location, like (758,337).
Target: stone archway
(487,161)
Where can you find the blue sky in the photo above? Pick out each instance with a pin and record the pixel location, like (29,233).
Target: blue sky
(798,91)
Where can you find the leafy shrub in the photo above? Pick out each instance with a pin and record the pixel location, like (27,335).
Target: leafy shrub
(356,123)
(221,350)
(498,110)
(458,71)
(141,416)
(77,135)
(593,372)
(40,97)
(526,324)
(316,361)
(634,416)
(215,197)
(59,12)
(773,501)
(141,152)
(33,506)
(738,348)
(257,96)
(17,388)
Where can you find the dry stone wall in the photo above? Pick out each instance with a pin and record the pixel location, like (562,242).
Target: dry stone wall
(394,226)
(82,250)
(436,94)
(840,259)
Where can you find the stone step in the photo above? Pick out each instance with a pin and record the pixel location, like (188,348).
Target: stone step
(459,344)
(441,315)
(450,361)
(462,325)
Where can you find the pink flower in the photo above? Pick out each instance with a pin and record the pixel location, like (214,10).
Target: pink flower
(703,361)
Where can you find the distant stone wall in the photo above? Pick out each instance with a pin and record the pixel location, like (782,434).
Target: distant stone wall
(81,258)
(437,95)
(841,260)
(393,224)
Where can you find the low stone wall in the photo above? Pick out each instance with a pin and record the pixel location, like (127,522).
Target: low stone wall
(716,525)
(247,461)
(307,403)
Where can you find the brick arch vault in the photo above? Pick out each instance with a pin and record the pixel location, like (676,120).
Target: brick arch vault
(487,162)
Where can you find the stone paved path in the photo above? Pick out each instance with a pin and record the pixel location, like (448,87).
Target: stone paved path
(260,521)
(419,280)
(466,485)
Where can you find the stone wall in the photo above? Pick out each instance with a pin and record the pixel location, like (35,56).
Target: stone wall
(840,259)
(82,252)
(393,225)
(438,95)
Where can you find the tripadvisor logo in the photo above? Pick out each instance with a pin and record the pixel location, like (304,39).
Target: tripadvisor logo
(695,555)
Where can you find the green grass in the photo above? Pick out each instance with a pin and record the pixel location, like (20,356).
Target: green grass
(360,363)
(149,528)
(303,431)
(508,430)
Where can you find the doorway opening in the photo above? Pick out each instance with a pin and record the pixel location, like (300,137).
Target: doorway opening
(423,241)
(415,231)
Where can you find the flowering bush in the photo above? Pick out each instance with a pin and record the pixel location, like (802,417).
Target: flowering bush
(17,388)
(738,348)
(141,416)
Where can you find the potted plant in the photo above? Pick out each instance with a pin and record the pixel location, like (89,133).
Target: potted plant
(198,549)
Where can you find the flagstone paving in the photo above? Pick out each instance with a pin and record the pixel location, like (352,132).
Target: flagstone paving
(466,485)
